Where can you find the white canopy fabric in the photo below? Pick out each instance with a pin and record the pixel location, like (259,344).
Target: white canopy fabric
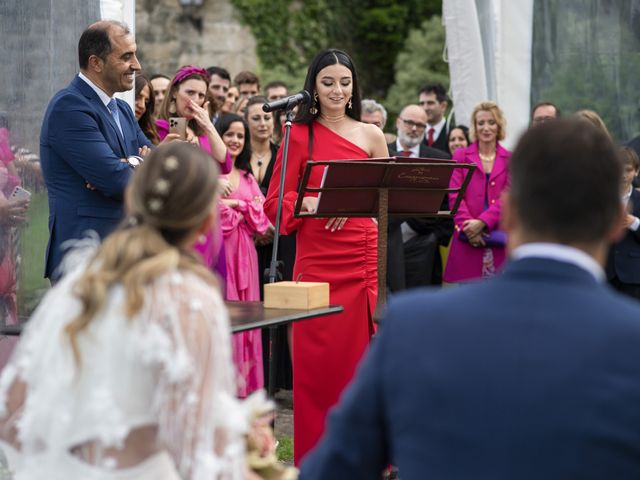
(489,52)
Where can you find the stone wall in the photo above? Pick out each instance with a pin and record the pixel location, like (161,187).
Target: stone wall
(169,36)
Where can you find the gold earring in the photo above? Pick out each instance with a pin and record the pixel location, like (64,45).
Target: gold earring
(314,109)
(172,107)
(350,104)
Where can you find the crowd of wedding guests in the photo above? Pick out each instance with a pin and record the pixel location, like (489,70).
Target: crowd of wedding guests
(219,109)
(225,113)
(421,251)
(192,221)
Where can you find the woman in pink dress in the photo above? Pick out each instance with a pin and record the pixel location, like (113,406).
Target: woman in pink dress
(478,248)
(187,98)
(12,215)
(242,216)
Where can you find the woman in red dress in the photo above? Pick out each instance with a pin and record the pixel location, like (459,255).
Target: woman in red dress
(340,251)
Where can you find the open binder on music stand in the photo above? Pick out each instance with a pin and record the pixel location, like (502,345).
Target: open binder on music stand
(379,187)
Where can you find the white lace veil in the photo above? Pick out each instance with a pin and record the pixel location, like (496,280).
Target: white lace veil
(181,340)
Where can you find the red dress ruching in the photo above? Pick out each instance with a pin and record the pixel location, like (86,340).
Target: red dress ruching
(326,350)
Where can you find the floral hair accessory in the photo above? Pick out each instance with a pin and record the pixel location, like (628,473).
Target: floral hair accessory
(162,185)
(189,70)
(155,204)
(171,164)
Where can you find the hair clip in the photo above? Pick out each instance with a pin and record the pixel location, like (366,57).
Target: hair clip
(171,164)
(162,186)
(155,204)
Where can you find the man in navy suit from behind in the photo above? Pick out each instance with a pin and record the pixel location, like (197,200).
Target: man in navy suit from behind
(89,139)
(534,374)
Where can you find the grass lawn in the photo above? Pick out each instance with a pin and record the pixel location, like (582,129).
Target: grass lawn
(285,450)
(33,242)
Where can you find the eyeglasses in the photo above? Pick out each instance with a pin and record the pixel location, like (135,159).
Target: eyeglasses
(412,124)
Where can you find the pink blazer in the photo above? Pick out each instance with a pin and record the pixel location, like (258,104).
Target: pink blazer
(465,261)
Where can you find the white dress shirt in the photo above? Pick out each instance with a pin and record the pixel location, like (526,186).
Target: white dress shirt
(407,232)
(437,128)
(103,96)
(415,151)
(625,201)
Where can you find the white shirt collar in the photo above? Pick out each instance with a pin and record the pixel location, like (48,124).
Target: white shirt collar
(627,196)
(103,96)
(437,128)
(561,253)
(415,151)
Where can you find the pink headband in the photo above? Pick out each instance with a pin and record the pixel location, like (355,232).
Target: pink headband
(185,72)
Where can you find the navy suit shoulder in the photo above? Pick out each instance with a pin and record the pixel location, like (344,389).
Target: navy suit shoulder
(82,154)
(533,374)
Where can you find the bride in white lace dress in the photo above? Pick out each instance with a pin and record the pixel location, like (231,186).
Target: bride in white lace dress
(125,370)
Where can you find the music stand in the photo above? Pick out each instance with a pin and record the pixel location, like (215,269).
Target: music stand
(379,187)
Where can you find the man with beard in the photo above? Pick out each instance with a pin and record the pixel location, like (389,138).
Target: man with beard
(90,141)
(413,258)
(218,88)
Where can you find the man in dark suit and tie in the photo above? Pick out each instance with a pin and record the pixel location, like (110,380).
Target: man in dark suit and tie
(413,257)
(623,264)
(90,141)
(532,374)
(433,98)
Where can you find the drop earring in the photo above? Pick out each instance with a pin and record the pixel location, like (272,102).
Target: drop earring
(314,109)
(350,104)
(172,107)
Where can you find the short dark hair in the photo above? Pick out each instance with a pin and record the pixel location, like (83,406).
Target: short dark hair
(546,104)
(436,88)
(246,77)
(159,75)
(219,71)
(330,56)
(628,156)
(261,99)
(275,84)
(549,156)
(95,41)
(243,160)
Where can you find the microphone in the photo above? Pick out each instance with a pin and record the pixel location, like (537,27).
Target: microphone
(287,103)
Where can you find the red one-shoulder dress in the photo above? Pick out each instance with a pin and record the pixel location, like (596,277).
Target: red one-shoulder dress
(326,350)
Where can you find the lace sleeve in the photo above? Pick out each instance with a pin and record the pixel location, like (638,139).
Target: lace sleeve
(200,421)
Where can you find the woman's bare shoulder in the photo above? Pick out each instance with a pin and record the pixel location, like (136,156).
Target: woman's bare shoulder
(374,139)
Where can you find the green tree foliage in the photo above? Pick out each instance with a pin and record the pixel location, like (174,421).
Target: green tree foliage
(420,61)
(290,32)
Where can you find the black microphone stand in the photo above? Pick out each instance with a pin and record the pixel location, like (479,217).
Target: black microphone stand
(273,274)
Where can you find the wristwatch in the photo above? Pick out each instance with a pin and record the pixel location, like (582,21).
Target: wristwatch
(134,161)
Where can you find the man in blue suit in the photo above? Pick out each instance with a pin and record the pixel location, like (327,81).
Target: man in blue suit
(534,374)
(89,141)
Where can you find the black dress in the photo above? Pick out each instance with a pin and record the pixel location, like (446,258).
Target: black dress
(286,254)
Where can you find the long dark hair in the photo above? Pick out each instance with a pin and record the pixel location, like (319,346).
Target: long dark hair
(243,160)
(146,121)
(330,56)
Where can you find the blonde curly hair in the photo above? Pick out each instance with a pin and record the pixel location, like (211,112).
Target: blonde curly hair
(168,200)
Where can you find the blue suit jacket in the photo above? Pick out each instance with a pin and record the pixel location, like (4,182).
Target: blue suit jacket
(79,144)
(534,374)
(624,256)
